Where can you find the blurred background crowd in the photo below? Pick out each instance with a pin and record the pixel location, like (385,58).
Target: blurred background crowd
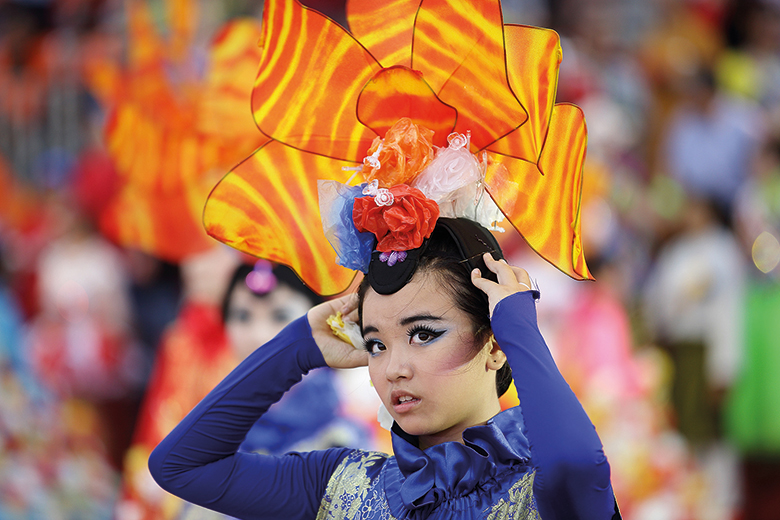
(118,313)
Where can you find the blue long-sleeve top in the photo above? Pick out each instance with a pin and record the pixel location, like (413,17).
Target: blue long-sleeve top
(542,459)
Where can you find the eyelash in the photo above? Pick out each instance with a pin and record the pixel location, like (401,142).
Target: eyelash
(370,344)
(412,332)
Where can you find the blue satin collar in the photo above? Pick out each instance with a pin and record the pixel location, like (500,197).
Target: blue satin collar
(421,480)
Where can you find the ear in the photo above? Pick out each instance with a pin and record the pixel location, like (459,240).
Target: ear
(495,356)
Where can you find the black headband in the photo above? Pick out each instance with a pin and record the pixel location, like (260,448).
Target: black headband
(472,239)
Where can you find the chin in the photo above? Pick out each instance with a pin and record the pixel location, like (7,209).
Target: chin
(413,427)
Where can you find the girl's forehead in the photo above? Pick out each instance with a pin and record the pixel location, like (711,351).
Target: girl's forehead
(424,294)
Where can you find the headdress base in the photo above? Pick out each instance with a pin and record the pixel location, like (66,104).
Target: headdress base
(472,239)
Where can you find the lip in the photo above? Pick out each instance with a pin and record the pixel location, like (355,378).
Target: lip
(406,406)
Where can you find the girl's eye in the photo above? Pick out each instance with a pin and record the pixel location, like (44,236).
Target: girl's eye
(373,346)
(422,334)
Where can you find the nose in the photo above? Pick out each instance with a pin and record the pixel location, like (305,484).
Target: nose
(399,364)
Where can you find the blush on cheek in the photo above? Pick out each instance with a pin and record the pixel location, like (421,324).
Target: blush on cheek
(454,359)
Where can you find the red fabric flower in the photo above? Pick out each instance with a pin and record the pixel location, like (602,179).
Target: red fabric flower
(401,226)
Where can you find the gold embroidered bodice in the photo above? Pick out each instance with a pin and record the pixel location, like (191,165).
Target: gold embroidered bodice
(355,491)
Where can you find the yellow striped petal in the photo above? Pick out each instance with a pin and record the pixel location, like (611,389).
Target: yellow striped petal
(543,202)
(311,73)
(459,47)
(267,207)
(533,55)
(384,28)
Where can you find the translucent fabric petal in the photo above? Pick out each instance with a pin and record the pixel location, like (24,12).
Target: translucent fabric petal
(533,55)
(398,92)
(311,73)
(182,17)
(160,224)
(166,173)
(543,202)
(167,158)
(146,58)
(267,206)
(459,47)
(384,28)
(336,200)
(224,107)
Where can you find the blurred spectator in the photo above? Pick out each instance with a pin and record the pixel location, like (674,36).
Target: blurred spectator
(191,359)
(711,142)
(753,412)
(81,342)
(694,303)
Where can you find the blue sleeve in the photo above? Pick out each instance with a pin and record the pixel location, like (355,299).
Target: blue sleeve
(572,473)
(199,460)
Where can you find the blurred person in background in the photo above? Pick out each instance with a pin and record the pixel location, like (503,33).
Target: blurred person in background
(81,341)
(191,358)
(260,301)
(693,304)
(711,141)
(753,408)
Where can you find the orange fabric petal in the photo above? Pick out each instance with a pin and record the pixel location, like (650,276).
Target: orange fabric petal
(182,17)
(459,47)
(399,92)
(166,174)
(384,28)
(168,159)
(225,110)
(267,207)
(406,151)
(545,207)
(146,57)
(533,55)
(311,73)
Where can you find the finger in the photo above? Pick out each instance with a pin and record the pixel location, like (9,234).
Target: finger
(352,315)
(490,262)
(483,284)
(503,270)
(522,275)
(349,303)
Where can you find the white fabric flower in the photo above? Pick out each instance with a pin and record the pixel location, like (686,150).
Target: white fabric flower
(384,197)
(449,171)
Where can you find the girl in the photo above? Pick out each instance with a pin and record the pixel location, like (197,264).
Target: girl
(440,335)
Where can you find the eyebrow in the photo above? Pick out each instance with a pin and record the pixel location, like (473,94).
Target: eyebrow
(420,317)
(406,321)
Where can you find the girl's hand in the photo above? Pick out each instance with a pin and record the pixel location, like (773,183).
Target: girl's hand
(511,280)
(337,353)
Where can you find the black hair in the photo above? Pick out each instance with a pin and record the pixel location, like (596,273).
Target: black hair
(443,259)
(283,274)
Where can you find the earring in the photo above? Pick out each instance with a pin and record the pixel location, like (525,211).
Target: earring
(371,383)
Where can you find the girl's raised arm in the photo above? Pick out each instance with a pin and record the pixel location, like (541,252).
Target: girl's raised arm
(199,460)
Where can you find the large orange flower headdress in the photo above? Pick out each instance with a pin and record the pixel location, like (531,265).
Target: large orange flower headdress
(378,106)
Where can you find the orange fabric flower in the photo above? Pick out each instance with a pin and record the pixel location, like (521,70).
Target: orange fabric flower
(406,150)
(401,226)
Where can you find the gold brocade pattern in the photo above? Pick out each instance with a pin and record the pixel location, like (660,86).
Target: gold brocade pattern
(352,494)
(519,504)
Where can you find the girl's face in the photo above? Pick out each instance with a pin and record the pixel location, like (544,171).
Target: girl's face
(425,365)
(252,321)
